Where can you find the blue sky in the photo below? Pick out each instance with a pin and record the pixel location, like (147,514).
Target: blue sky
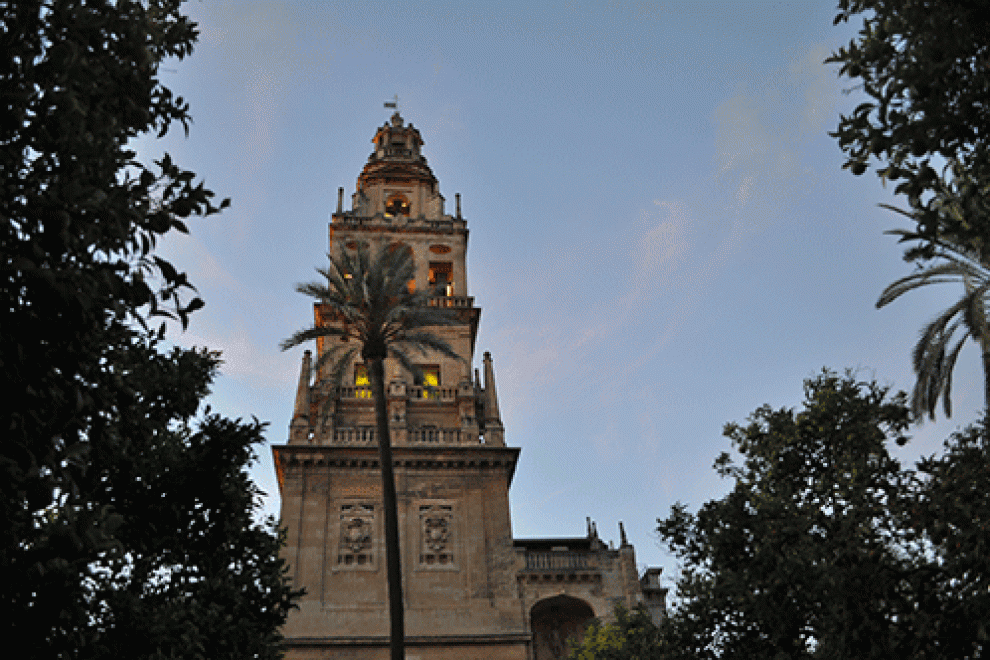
(662,239)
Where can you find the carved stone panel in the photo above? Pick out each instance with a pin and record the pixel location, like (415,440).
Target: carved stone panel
(436,530)
(357,525)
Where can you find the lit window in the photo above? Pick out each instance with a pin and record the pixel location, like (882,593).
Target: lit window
(362,386)
(431,380)
(397,205)
(431,376)
(442,278)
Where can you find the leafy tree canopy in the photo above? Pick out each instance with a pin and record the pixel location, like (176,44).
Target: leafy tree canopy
(631,636)
(923,66)
(127,524)
(826,547)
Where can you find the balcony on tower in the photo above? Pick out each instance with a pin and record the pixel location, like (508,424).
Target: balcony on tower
(425,414)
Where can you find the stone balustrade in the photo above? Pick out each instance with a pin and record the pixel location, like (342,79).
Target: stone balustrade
(457,302)
(354,392)
(420,393)
(367,435)
(354,435)
(560,560)
(413,393)
(429,436)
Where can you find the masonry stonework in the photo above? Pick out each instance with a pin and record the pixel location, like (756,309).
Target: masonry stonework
(472,591)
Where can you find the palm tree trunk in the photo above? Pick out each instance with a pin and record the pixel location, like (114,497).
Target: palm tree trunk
(982,337)
(376,374)
(985,347)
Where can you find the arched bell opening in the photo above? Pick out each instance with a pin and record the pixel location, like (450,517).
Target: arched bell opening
(397,204)
(555,623)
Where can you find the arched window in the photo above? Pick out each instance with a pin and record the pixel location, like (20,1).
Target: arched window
(397,204)
(556,620)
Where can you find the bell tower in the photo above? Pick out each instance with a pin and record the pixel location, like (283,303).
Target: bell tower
(453,469)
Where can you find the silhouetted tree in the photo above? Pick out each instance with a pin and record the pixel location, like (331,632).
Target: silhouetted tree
(922,66)
(127,522)
(827,548)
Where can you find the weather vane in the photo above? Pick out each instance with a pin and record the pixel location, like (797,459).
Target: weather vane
(394,104)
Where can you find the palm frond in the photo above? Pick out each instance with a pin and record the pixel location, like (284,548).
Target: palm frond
(367,292)
(300,337)
(338,358)
(336,280)
(929,359)
(949,366)
(943,273)
(932,358)
(417,316)
(908,214)
(424,343)
(402,357)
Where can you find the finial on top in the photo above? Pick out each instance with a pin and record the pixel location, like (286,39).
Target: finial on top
(394,105)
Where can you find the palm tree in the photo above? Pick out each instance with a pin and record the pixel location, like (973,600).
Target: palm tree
(935,354)
(369,298)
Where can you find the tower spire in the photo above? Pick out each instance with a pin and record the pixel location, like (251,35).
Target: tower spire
(299,427)
(493,419)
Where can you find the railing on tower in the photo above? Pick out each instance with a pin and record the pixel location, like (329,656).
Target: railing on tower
(360,392)
(458,302)
(354,435)
(429,436)
(366,435)
(559,560)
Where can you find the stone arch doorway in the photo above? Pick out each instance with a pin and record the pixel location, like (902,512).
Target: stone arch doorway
(554,621)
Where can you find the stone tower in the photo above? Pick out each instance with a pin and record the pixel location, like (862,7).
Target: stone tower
(471,590)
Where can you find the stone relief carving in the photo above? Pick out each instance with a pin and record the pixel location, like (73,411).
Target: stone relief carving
(357,534)
(436,528)
(356,528)
(435,531)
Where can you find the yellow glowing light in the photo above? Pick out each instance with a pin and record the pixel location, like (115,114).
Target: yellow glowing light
(431,380)
(361,383)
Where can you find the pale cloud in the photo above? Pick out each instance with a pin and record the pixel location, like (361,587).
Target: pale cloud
(263,105)
(609,444)
(258,146)
(760,136)
(679,248)
(663,245)
(755,168)
(243,358)
(740,137)
(225,323)
(821,88)
(187,253)
(742,193)
(265,35)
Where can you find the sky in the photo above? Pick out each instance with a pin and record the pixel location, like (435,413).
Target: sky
(662,237)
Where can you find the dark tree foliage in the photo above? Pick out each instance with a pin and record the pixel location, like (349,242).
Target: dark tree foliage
(126,525)
(952,511)
(799,553)
(923,66)
(826,547)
